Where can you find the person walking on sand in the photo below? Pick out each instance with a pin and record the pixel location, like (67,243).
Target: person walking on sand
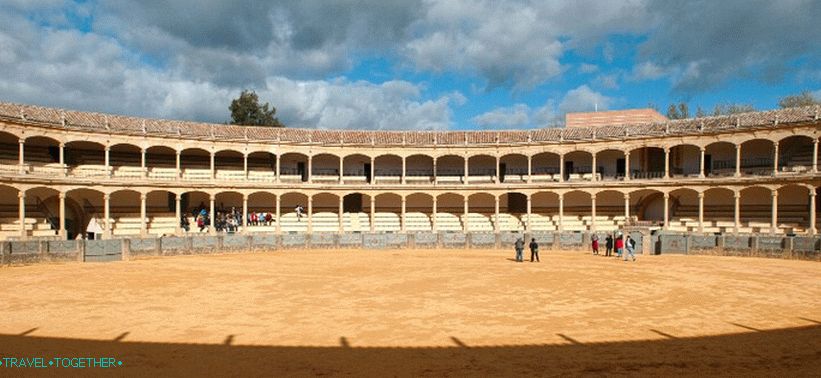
(619,246)
(534,250)
(519,245)
(594,243)
(608,244)
(630,246)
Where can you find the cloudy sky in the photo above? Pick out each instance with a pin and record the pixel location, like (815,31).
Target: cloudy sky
(428,64)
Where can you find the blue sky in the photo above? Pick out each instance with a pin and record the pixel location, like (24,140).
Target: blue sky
(426,64)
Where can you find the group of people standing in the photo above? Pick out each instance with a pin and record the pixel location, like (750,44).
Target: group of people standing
(623,245)
(519,246)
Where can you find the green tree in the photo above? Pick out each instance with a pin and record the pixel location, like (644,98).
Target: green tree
(245,110)
(805,98)
(672,112)
(683,110)
(700,112)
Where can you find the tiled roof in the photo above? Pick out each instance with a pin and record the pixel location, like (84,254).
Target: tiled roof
(99,122)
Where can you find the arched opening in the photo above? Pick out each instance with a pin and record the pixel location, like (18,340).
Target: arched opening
(578,165)
(161,212)
(795,154)
(326,216)
(262,166)
(292,221)
(9,212)
(450,169)
(229,165)
(388,169)
(757,157)
(418,210)
(719,211)
(577,211)
(482,169)
(683,211)
(325,168)
(124,207)
(9,152)
(545,167)
(42,156)
(293,167)
(449,207)
(388,208)
(647,205)
(647,163)
(793,209)
(85,159)
(195,164)
(756,209)
(610,165)
(125,160)
(42,212)
(262,212)
(419,169)
(544,211)
(685,160)
(719,159)
(481,209)
(609,211)
(357,169)
(161,163)
(356,209)
(513,168)
(91,205)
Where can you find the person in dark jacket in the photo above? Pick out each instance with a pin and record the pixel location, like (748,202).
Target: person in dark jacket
(608,243)
(534,250)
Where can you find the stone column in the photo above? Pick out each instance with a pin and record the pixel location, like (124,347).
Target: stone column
(373,170)
(738,160)
(701,163)
(775,158)
(593,168)
(561,168)
(498,174)
(496,212)
(812,229)
(402,215)
(179,170)
(62,229)
(276,174)
(107,216)
(278,213)
(815,156)
(310,168)
(666,211)
(403,169)
(178,212)
(626,207)
(434,171)
(143,171)
(143,224)
(737,212)
(466,176)
(245,165)
(21,156)
(626,165)
(245,214)
(21,212)
(373,213)
(529,169)
(63,159)
(433,216)
(528,224)
(310,214)
(465,226)
(561,212)
(212,228)
(341,212)
(213,170)
(774,221)
(108,168)
(701,212)
(593,212)
(666,162)
(341,168)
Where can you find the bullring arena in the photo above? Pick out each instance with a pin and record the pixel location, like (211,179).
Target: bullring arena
(402,262)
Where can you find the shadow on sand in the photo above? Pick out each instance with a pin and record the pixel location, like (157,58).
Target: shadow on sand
(784,352)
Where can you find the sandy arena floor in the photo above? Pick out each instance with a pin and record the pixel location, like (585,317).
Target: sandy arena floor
(419,312)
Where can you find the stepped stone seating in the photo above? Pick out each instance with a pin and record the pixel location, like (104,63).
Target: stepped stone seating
(448,222)
(325,222)
(417,222)
(509,222)
(356,222)
(290,223)
(477,222)
(386,222)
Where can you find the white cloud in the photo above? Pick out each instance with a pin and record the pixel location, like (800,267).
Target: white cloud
(609,81)
(588,68)
(584,99)
(518,116)
(647,71)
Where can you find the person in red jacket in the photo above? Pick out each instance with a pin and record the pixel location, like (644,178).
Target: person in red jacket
(619,245)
